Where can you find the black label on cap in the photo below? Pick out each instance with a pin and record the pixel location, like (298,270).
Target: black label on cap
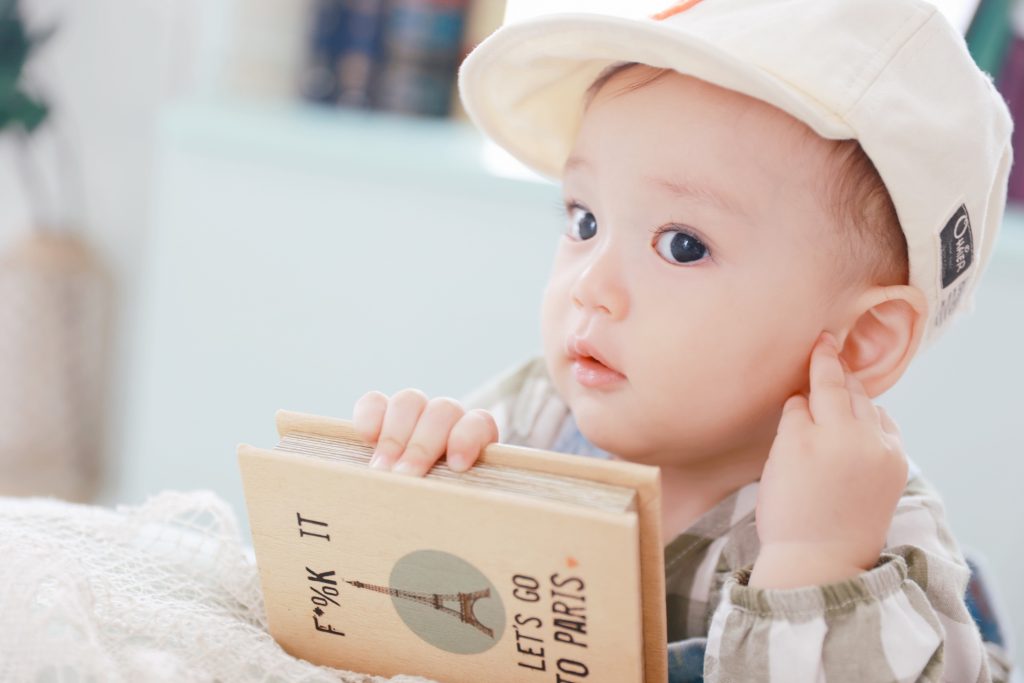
(957,246)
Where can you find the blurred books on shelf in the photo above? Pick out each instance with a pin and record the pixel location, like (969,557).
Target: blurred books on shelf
(995,39)
(422,46)
(1010,82)
(393,55)
(345,49)
(989,33)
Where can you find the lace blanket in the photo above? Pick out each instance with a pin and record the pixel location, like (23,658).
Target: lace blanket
(163,591)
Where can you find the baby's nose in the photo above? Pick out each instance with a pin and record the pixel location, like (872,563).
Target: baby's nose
(600,286)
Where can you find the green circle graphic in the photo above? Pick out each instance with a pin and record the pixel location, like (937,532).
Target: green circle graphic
(447,602)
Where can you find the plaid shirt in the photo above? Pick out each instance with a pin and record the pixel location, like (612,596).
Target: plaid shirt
(906,619)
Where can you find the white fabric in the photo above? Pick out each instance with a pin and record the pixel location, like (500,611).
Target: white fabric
(164,591)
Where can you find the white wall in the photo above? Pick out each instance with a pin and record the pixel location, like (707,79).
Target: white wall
(106,72)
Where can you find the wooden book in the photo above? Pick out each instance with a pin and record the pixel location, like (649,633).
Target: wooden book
(529,566)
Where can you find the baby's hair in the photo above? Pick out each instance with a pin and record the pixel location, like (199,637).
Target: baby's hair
(874,248)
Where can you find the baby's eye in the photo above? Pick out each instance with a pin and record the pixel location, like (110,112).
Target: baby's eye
(680,247)
(582,220)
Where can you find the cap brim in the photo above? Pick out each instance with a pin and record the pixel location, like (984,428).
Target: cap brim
(524,85)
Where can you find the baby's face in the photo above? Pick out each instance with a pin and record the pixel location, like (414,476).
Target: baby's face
(697,262)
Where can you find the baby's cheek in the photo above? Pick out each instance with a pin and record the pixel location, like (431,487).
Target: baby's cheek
(552,318)
(702,383)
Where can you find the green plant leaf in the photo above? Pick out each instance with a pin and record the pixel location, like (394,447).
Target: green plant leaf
(14,43)
(20,109)
(16,107)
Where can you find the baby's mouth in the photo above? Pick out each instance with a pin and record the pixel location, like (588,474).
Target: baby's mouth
(590,372)
(591,362)
(596,364)
(583,352)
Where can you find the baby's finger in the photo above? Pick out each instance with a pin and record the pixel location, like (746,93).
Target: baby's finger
(829,398)
(403,411)
(429,437)
(368,415)
(469,437)
(795,413)
(860,402)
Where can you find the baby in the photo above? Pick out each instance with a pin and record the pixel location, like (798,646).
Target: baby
(771,207)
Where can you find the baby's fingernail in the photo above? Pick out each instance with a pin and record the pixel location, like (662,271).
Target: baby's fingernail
(456,462)
(377,462)
(403,467)
(830,340)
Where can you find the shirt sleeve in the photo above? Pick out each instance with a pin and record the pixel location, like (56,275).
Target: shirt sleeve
(905,619)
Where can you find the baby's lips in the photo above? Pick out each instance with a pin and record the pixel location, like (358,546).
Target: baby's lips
(580,347)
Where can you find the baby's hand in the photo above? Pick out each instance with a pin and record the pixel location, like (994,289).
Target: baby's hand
(414,432)
(831,483)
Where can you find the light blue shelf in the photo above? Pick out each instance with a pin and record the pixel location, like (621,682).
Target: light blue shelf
(426,151)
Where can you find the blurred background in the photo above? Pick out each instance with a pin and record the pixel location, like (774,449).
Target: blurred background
(213,209)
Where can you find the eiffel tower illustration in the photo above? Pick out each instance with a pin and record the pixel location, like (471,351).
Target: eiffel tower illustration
(437,600)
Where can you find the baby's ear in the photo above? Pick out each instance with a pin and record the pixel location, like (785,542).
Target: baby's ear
(885,329)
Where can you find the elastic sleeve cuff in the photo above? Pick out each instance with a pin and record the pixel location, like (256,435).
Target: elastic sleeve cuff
(876,584)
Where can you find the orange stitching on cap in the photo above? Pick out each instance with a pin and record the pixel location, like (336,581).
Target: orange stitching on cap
(674,9)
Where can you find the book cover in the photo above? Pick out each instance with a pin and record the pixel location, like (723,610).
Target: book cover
(422,45)
(989,34)
(1011,86)
(345,51)
(493,574)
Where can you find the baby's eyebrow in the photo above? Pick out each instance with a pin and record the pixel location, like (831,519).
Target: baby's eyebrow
(690,190)
(685,189)
(574,162)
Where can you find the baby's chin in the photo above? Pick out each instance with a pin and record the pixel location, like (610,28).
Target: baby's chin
(625,440)
(610,429)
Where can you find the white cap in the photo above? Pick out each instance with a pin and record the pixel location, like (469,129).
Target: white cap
(893,74)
